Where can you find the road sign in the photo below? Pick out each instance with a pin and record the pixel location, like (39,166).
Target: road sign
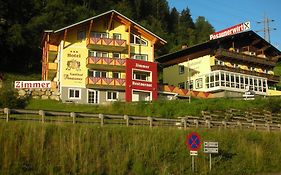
(193,153)
(211,150)
(193,141)
(211,144)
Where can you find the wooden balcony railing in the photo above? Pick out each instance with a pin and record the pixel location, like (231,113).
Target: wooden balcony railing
(107,44)
(100,63)
(225,54)
(272,78)
(106,83)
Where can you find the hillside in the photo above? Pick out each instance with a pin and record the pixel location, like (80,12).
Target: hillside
(33,148)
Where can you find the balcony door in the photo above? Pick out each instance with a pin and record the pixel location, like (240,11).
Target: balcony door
(93,96)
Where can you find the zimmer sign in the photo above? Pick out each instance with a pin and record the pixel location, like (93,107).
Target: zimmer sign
(32,84)
(231,30)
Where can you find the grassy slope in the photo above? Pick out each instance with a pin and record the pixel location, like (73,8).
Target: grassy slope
(32,148)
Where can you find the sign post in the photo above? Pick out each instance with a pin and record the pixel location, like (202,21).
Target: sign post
(211,148)
(193,143)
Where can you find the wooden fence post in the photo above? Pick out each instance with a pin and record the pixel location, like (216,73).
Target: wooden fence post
(255,126)
(7,111)
(101,119)
(183,120)
(150,119)
(127,118)
(224,124)
(279,125)
(73,115)
(42,113)
(196,123)
(208,124)
(267,127)
(239,124)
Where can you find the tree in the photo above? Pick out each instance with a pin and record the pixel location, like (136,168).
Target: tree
(203,29)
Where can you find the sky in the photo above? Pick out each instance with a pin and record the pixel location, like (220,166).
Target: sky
(223,14)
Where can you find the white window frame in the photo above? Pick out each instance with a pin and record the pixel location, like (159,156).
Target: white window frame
(143,57)
(119,55)
(119,75)
(134,40)
(99,35)
(100,74)
(75,90)
(111,99)
(97,96)
(116,34)
(95,54)
(148,78)
(181,69)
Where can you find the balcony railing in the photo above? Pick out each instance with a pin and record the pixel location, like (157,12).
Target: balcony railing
(272,78)
(222,53)
(101,63)
(106,83)
(107,44)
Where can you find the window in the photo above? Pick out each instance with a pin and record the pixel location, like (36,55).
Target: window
(116,55)
(116,36)
(189,85)
(74,93)
(81,34)
(140,57)
(134,39)
(141,75)
(219,62)
(181,85)
(111,96)
(93,96)
(198,83)
(115,74)
(98,54)
(99,35)
(101,74)
(181,69)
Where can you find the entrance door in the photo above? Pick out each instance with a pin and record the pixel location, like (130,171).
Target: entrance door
(93,96)
(141,96)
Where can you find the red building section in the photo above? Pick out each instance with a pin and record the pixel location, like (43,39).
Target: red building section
(141,80)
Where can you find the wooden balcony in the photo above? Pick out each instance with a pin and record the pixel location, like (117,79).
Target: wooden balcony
(107,44)
(105,83)
(113,64)
(272,78)
(249,59)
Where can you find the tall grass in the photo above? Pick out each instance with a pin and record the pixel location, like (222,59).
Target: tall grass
(167,109)
(32,148)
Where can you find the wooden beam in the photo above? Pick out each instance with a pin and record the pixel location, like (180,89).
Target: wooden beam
(129,41)
(276,58)
(110,21)
(256,41)
(89,31)
(265,47)
(64,37)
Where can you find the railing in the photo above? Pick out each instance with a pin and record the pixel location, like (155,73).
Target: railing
(118,43)
(105,81)
(223,120)
(221,53)
(106,61)
(242,71)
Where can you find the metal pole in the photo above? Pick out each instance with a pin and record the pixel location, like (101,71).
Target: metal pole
(192,157)
(188,74)
(210,162)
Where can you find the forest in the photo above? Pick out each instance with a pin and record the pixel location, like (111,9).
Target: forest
(22,23)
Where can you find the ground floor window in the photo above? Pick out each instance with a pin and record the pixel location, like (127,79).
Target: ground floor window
(235,81)
(93,96)
(74,93)
(111,96)
(141,96)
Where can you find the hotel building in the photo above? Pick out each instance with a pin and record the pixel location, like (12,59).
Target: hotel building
(225,67)
(101,59)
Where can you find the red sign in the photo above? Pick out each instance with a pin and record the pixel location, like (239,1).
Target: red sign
(141,76)
(231,31)
(193,141)
(32,84)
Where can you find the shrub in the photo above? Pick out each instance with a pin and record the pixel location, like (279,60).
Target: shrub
(9,99)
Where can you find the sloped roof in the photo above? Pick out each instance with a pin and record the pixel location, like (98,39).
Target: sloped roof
(101,15)
(208,46)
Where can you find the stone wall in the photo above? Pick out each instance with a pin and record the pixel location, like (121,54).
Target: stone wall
(43,94)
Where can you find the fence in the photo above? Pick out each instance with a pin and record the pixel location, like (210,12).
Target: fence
(232,118)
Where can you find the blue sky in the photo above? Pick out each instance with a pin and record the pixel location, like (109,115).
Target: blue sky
(226,13)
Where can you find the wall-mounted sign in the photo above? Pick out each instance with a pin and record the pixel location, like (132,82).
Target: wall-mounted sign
(32,84)
(231,30)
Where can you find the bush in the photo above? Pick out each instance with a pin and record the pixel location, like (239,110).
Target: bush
(9,99)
